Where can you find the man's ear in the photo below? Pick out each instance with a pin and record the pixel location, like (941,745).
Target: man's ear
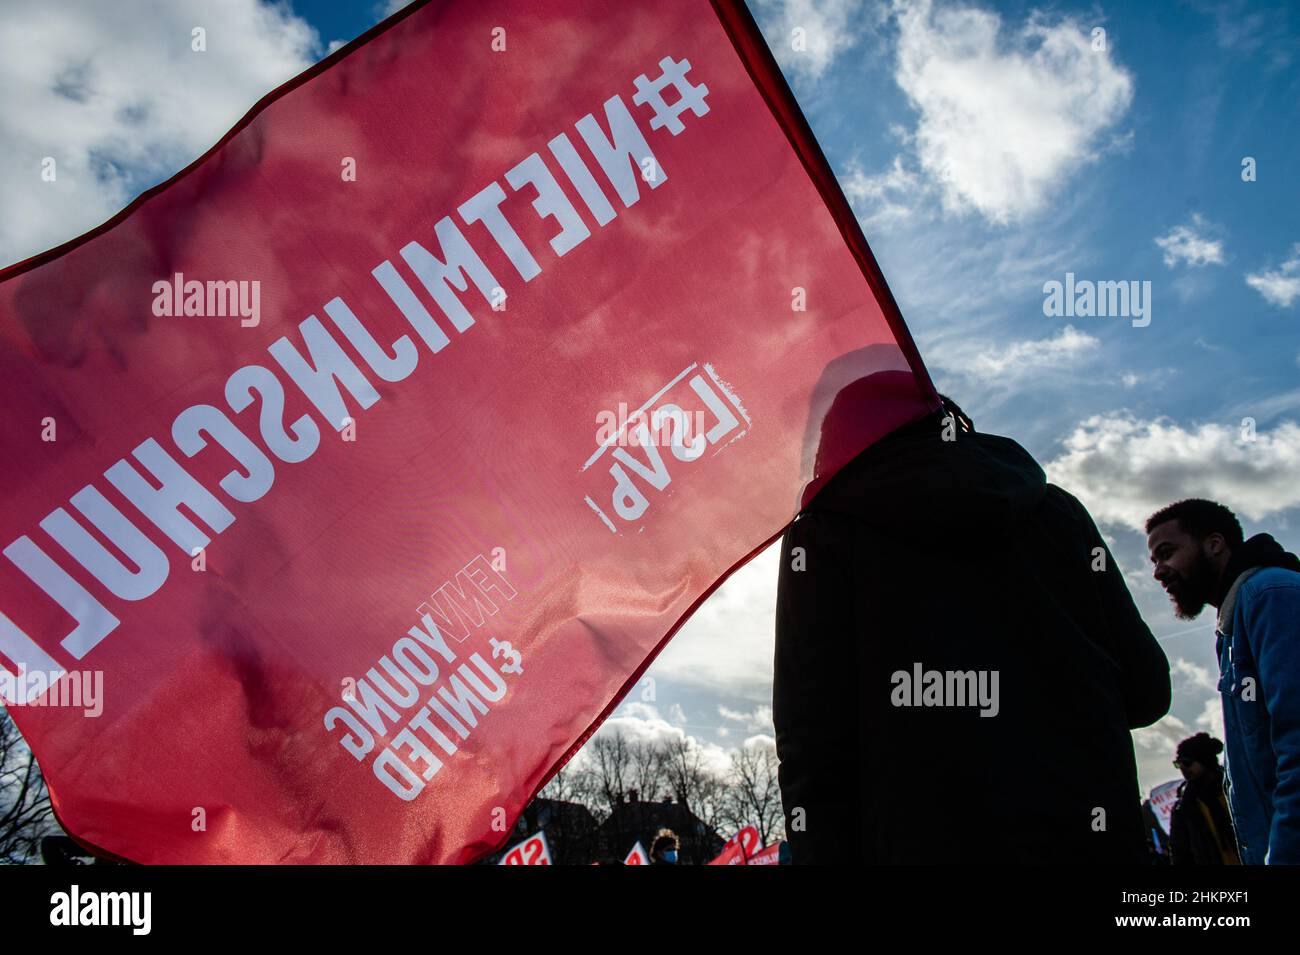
(1215,544)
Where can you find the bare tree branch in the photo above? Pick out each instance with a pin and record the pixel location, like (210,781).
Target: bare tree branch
(755,791)
(25,813)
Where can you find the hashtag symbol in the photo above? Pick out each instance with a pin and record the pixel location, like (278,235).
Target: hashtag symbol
(650,93)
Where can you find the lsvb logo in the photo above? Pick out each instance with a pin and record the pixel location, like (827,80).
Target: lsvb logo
(639,454)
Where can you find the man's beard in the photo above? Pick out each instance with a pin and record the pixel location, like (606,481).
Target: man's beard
(1191,594)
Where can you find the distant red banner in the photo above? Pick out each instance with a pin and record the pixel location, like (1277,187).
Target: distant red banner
(352,476)
(733,854)
(768,856)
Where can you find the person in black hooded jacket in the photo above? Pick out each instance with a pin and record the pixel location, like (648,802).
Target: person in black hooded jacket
(943,551)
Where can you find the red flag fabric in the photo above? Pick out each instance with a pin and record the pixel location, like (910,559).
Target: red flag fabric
(768,856)
(354,474)
(748,839)
(740,848)
(733,854)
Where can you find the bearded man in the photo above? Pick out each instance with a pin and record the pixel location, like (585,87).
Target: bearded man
(1200,557)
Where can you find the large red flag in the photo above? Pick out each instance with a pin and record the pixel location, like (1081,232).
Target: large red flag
(368,462)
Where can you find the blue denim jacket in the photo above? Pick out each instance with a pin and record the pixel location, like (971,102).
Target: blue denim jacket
(1259,679)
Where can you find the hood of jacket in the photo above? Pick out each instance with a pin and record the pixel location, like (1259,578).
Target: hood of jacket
(1254,553)
(912,478)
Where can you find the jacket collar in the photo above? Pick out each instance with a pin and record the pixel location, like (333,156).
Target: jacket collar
(1252,556)
(1224,623)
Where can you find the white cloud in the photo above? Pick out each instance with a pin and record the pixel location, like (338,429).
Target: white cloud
(1026,358)
(1263,35)
(1195,686)
(980,363)
(1211,718)
(758,719)
(1198,676)
(1162,737)
(121,102)
(389,7)
(1281,286)
(1190,286)
(727,645)
(1005,118)
(1186,244)
(1124,468)
(886,197)
(641,723)
(640,711)
(1266,409)
(829,28)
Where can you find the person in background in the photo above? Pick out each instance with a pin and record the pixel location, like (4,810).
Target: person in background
(663,851)
(1200,828)
(1199,555)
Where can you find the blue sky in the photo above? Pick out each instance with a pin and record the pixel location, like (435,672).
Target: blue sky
(988,148)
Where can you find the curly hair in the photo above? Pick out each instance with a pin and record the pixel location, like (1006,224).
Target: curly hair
(1200,519)
(664,839)
(1201,748)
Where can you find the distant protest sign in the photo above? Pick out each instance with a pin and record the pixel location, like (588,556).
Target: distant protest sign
(532,851)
